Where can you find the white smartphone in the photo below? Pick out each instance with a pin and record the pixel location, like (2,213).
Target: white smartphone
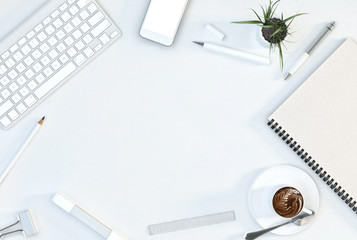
(162,20)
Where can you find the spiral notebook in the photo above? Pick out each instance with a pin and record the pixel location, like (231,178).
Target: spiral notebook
(319,122)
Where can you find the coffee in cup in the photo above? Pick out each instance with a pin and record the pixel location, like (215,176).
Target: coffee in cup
(288,202)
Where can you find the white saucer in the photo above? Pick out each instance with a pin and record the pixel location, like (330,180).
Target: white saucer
(266,184)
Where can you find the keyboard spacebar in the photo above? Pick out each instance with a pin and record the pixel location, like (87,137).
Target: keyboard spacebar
(55,80)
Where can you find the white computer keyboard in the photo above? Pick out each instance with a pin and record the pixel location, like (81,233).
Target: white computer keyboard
(49,53)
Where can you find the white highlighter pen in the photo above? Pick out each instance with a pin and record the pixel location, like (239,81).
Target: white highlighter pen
(83,216)
(234,52)
(307,53)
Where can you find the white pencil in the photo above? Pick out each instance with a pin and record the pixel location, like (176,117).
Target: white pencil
(13,161)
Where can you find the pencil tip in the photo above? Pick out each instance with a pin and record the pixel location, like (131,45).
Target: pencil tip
(287,76)
(199,43)
(42,120)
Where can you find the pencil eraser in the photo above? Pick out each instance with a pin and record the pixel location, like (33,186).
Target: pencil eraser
(215,31)
(116,236)
(63,202)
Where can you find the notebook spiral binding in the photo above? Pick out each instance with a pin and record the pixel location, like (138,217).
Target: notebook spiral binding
(313,164)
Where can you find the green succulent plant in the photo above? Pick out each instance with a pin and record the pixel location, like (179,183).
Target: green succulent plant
(274,29)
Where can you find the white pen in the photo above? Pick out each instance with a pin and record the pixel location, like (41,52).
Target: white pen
(13,161)
(307,53)
(234,52)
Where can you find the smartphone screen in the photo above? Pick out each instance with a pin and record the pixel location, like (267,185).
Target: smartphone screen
(162,20)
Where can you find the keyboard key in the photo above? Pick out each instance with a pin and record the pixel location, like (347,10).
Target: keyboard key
(13,114)
(63,7)
(21,67)
(65,16)
(5,93)
(69,40)
(25,49)
(49,30)
(88,52)
(98,47)
(92,8)
(76,21)
(6,106)
(5,55)
(61,47)
(71,52)
(28,61)
(104,39)
(79,45)
(40,78)
(46,21)
(3,69)
(14,48)
(83,3)
(70,1)
(52,41)
(114,34)
(30,100)
(48,71)
(55,14)
(29,74)
(100,28)
(18,56)
(55,80)
(38,27)
(64,58)
(73,10)
(84,14)
(24,91)
(77,34)
(34,43)
(44,47)
(13,74)
(85,27)
(96,18)
(16,98)
(60,34)
(53,53)
(87,38)
(4,81)
(32,85)
(68,27)
(13,87)
(57,23)
(21,108)
(36,54)
(56,65)
(5,121)
(41,36)
(37,67)
(21,80)
(30,34)
(80,59)
(21,41)
(9,63)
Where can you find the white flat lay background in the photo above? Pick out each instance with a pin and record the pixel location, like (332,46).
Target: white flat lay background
(146,134)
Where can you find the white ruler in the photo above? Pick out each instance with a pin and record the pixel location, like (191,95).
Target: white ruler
(192,222)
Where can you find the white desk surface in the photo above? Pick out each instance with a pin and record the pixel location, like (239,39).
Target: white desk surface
(146,134)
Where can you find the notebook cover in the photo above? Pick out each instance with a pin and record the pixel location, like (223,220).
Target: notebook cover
(319,121)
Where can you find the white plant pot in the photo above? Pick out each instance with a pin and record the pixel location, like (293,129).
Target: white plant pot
(261,39)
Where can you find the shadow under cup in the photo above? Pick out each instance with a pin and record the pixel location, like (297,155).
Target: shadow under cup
(288,202)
